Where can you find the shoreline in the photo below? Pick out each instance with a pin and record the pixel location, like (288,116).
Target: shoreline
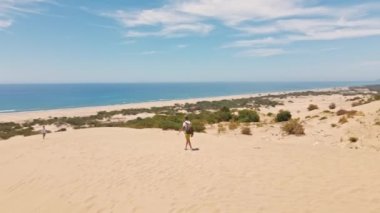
(91,110)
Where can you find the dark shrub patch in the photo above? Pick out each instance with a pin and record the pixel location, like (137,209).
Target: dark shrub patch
(248,116)
(353,139)
(246,131)
(312,107)
(283,116)
(332,106)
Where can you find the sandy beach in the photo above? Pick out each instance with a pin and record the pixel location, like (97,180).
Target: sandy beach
(125,170)
(85,111)
(148,170)
(189,106)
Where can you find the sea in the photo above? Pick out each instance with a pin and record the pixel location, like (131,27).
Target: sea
(33,97)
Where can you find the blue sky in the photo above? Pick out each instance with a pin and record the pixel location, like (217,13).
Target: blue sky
(46,41)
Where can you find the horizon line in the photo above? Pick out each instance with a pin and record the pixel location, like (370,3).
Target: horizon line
(187,82)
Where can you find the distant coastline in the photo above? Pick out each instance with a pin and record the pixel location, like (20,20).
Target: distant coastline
(18,98)
(15,116)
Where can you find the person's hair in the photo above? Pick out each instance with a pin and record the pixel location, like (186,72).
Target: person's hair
(186,117)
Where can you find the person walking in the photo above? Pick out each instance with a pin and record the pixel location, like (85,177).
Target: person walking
(189,132)
(43,131)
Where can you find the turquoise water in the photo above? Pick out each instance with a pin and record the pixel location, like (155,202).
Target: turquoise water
(29,97)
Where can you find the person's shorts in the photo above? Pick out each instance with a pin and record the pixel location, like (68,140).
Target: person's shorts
(187,136)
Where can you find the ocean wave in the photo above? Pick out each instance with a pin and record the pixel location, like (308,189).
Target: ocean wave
(7,110)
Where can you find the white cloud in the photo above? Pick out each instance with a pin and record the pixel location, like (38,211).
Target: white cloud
(151,17)
(237,11)
(269,41)
(5,23)
(262,52)
(12,8)
(267,24)
(177,30)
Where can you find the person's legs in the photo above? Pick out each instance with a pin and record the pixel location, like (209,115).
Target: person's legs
(187,136)
(188,141)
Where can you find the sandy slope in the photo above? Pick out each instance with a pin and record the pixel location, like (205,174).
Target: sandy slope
(125,170)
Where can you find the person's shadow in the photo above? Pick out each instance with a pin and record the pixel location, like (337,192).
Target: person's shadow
(195,149)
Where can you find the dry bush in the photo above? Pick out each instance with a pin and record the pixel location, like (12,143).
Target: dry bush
(343,120)
(259,124)
(350,113)
(221,129)
(312,107)
(61,130)
(355,104)
(341,112)
(334,125)
(353,139)
(246,130)
(233,125)
(323,118)
(293,127)
(332,106)
(354,99)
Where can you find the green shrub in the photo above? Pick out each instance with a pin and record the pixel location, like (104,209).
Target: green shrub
(224,114)
(76,121)
(141,123)
(293,127)
(169,125)
(283,116)
(198,126)
(248,116)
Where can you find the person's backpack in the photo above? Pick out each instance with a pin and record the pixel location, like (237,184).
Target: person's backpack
(189,129)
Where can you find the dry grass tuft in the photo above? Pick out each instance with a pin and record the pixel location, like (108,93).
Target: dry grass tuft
(332,106)
(343,120)
(312,107)
(293,127)
(233,125)
(246,130)
(221,129)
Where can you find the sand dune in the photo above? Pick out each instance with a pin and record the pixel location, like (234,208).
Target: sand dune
(126,170)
